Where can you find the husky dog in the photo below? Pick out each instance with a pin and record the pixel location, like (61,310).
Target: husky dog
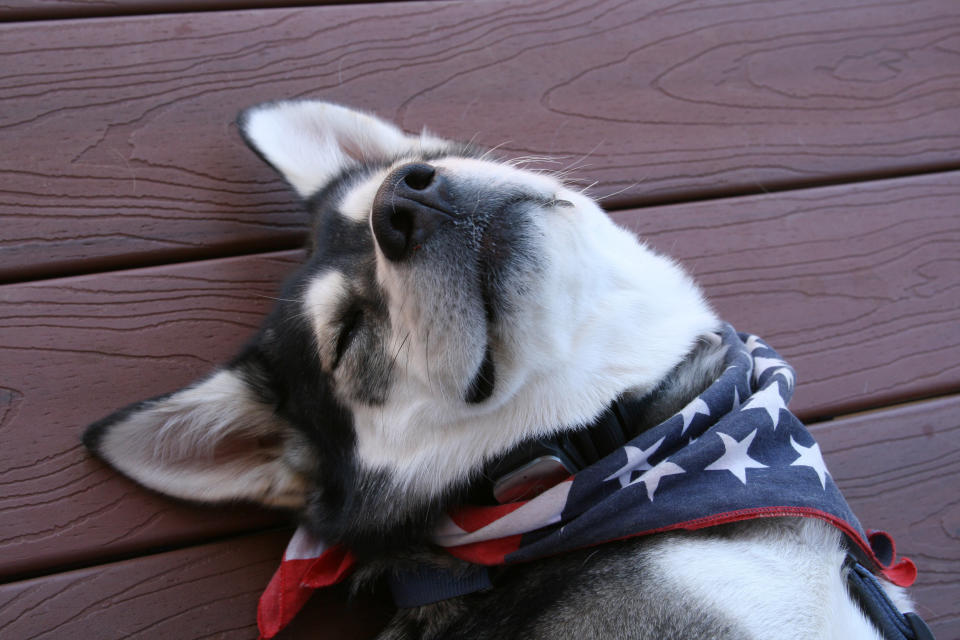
(452,308)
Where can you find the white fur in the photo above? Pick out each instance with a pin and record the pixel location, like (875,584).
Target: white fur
(309,142)
(320,302)
(171,446)
(608,315)
(355,205)
(778,582)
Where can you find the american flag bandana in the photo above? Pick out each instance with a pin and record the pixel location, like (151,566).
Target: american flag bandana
(733,453)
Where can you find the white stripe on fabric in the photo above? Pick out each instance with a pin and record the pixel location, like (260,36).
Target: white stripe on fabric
(543,510)
(304,546)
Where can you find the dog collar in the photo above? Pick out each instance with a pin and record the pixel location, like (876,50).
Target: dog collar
(734,453)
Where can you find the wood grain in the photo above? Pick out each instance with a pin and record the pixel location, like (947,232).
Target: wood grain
(76,349)
(855,285)
(209,591)
(125,155)
(899,469)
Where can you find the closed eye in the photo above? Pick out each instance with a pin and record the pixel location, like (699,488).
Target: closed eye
(352,322)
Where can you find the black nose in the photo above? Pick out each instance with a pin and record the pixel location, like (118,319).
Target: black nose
(410,205)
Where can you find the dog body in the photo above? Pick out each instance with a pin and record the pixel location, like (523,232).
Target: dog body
(452,308)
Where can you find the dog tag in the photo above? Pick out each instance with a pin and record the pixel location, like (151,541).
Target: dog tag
(530,480)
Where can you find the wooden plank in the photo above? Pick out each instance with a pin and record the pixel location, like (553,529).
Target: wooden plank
(899,469)
(856,285)
(861,297)
(120,151)
(75,349)
(209,591)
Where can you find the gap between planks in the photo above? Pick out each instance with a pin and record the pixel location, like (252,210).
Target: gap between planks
(37,10)
(132,159)
(868,456)
(816,425)
(856,288)
(297,240)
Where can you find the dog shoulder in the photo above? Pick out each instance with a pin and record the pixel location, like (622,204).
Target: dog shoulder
(774,578)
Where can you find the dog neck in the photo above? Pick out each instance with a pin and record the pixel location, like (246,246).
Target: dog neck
(535,465)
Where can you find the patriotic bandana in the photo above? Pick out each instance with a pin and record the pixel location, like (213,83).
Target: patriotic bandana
(733,453)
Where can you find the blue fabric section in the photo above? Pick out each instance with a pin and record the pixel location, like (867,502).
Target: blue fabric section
(883,548)
(736,448)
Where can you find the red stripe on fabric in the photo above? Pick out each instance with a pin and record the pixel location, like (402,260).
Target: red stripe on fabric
(470,518)
(283,597)
(902,573)
(293,584)
(332,566)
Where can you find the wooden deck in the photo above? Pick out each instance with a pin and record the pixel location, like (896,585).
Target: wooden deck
(802,159)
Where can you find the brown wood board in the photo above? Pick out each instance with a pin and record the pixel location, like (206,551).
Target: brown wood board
(209,591)
(74,350)
(898,468)
(120,151)
(854,284)
(857,284)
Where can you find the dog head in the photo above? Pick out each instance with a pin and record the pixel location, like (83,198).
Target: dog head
(451,306)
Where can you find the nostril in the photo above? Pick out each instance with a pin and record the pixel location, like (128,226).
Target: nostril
(401,219)
(418,176)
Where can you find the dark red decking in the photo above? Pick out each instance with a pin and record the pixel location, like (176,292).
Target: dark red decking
(802,159)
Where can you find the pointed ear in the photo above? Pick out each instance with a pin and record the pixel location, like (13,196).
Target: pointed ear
(214,441)
(309,142)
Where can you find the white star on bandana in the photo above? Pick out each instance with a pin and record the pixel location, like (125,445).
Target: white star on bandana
(651,478)
(782,369)
(691,410)
(768,399)
(754,342)
(735,458)
(810,457)
(636,461)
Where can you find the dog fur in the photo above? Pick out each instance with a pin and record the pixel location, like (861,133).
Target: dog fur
(406,353)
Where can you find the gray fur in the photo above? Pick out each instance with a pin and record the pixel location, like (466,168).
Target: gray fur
(611,591)
(689,379)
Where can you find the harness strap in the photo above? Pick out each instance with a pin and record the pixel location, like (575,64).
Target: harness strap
(876,604)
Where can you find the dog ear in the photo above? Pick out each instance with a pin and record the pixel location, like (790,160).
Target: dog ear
(213,441)
(309,142)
